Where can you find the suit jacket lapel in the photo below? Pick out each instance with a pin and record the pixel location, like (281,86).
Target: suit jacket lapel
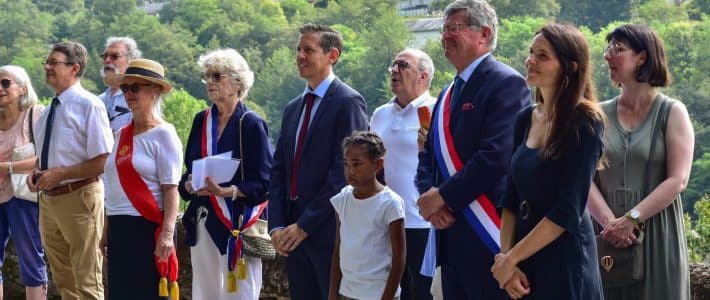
(473,86)
(322,109)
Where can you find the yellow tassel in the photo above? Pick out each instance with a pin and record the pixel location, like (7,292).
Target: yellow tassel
(235,233)
(174,291)
(231,283)
(163,287)
(242,269)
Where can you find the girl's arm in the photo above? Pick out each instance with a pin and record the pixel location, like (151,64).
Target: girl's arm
(336,275)
(399,249)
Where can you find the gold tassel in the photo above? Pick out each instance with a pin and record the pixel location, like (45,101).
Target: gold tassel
(242,269)
(231,283)
(175,291)
(163,287)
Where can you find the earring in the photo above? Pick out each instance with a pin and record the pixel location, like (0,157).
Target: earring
(566,82)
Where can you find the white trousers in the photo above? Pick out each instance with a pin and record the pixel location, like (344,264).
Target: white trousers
(209,272)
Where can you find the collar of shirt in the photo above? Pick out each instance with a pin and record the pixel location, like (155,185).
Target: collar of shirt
(466,74)
(414,103)
(107,93)
(71,93)
(322,86)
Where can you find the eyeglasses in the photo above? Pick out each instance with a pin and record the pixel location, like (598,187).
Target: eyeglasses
(401,64)
(454,28)
(112,56)
(614,49)
(54,63)
(212,77)
(133,87)
(5,83)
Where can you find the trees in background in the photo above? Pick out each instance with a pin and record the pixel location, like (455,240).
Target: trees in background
(265,32)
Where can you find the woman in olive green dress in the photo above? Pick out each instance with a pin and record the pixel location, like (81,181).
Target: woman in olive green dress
(618,200)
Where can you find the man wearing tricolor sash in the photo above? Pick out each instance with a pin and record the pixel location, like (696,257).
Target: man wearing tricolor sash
(462,167)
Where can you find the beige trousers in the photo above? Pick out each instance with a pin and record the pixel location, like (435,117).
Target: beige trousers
(71,226)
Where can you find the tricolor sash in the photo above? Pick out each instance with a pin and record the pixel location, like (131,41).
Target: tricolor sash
(481,213)
(144,202)
(224,208)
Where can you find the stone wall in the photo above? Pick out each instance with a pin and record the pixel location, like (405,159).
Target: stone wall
(274,277)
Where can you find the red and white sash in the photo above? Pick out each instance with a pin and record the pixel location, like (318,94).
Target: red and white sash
(481,213)
(144,202)
(224,207)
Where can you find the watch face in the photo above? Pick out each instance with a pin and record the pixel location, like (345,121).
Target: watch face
(634,213)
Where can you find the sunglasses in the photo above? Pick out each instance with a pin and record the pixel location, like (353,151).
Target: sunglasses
(133,87)
(401,64)
(212,77)
(5,83)
(113,56)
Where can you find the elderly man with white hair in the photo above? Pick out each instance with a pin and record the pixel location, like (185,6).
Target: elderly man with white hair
(397,123)
(118,53)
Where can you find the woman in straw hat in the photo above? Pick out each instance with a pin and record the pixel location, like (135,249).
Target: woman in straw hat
(220,269)
(142,174)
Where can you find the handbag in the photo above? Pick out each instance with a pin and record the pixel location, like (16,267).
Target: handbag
(256,238)
(620,267)
(19,180)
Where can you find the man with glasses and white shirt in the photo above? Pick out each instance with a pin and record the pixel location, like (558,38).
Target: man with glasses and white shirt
(397,123)
(73,139)
(118,53)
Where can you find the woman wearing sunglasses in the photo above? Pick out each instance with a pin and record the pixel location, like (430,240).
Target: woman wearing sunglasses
(220,270)
(142,174)
(640,190)
(19,217)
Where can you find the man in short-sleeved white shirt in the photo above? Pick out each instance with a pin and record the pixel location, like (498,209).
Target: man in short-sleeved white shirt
(397,123)
(71,195)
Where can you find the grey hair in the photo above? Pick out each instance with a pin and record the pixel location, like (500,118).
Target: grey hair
(424,63)
(131,47)
(229,61)
(480,14)
(20,76)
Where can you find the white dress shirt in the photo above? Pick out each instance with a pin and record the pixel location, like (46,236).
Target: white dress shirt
(80,131)
(398,127)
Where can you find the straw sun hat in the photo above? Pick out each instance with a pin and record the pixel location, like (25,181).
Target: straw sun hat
(145,69)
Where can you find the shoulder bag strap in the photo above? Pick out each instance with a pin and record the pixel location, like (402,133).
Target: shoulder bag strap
(29,124)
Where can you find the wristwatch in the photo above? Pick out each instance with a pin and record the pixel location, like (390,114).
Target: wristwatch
(635,217)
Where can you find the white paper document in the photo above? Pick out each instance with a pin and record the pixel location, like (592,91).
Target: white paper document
(220,168)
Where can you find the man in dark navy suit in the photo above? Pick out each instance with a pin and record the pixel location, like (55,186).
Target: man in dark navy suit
(308,163)
(462,167)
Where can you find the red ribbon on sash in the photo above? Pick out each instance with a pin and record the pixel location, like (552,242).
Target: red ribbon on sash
(142,199)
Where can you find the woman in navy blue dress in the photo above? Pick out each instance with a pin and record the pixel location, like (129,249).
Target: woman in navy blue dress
(547,241)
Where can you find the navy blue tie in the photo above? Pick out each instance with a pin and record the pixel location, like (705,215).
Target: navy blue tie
(48,133)
(456,92)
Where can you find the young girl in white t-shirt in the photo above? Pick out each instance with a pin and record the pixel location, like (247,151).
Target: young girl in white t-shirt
(369,255)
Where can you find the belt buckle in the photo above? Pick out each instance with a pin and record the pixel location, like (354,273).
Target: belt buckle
(293,198)
(524,210)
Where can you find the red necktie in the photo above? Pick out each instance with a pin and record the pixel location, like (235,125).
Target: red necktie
(310,98)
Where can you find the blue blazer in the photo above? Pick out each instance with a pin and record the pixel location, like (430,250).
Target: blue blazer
(483,138)
(320,175)
(256,164)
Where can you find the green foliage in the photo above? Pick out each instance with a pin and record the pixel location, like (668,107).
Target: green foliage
(533,8)
(697,232)
(699,184)
(179,108)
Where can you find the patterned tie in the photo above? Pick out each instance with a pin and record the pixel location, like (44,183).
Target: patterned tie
(456,93)
(48,134)
(310,98)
